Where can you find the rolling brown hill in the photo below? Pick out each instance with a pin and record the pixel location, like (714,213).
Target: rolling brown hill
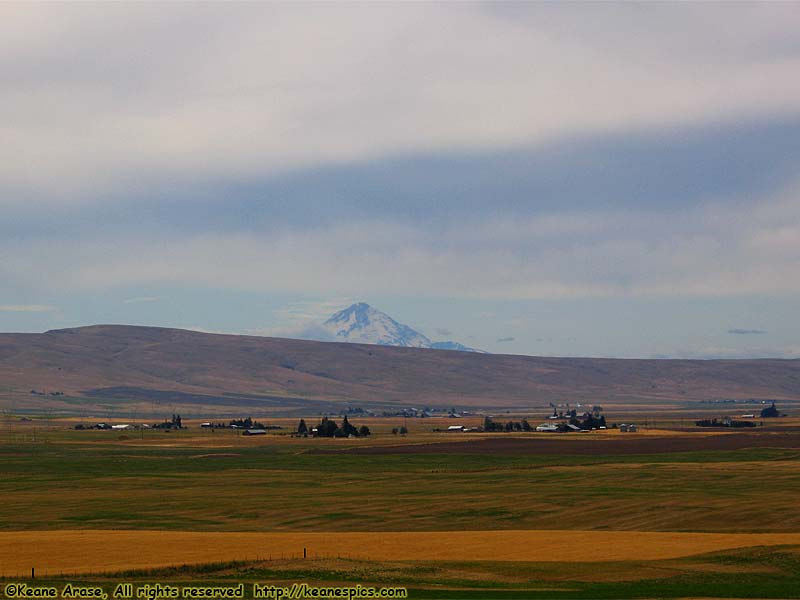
(117,364)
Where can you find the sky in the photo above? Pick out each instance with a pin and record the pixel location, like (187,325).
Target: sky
(561,179)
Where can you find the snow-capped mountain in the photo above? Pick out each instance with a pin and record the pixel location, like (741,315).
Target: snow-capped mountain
(361,323)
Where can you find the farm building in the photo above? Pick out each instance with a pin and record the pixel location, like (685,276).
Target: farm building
(255,432)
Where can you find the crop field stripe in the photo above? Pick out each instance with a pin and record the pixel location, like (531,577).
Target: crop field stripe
(97,551)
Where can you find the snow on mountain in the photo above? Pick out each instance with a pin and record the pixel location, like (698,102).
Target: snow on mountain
(361,323)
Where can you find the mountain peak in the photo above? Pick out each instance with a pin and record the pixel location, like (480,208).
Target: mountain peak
(365,324)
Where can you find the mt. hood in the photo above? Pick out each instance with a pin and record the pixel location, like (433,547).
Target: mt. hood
(362,324)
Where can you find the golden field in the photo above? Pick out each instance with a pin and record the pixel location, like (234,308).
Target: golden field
(92,551)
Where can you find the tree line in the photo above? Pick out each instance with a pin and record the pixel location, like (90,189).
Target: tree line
(330,428)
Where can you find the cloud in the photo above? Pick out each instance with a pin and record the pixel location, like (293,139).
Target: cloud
(714,249)
(142,299)
(27,308)
(443,331)
(311,310)
(746,331)
(505,339)
(302,320)
(298,331)
(125,99)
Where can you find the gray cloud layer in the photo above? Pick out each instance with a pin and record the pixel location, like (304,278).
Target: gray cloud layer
(746,331)
(141,96)
(710,250)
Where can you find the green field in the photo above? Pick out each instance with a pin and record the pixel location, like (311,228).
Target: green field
(70,480)
(91,480)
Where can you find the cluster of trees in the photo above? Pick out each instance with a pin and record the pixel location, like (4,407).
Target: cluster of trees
(247,423)
(590,421)
(770,412)
(329,428)
(489,425)
(401,430)
(82,426)
(175,423)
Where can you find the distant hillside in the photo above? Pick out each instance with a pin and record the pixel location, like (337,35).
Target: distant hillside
(115,363)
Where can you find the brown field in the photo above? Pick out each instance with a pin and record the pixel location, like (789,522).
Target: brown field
(108,551)
(607,443)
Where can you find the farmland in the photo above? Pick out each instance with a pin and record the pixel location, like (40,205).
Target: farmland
(515,512)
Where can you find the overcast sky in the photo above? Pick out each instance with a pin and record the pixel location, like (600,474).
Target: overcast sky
(560,179)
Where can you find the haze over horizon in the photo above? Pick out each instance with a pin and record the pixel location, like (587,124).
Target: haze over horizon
(574,179)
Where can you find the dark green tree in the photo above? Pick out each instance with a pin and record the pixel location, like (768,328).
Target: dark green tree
(348,429)
(326,427)
(770,412)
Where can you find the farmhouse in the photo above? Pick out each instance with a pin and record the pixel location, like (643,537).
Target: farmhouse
(255,432)
(547,427)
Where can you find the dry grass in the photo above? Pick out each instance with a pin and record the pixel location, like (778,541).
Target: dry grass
(193,368)
(107,551)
